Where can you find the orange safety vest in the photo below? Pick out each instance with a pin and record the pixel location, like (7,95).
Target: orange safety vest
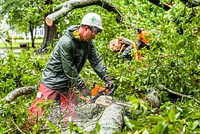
(137,55)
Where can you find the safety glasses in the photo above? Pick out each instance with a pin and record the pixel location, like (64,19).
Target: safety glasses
(95,29)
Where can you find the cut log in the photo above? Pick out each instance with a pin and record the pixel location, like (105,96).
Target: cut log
(153,99)
(88,116)
(73,4)
(111,120)
(18,92)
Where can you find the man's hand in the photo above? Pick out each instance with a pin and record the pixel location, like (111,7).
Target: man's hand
(85,92)
(109,84)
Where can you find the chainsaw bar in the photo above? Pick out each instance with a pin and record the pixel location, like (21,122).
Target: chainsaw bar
(108,100)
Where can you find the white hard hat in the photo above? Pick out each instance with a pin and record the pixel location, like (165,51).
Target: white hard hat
(92,19)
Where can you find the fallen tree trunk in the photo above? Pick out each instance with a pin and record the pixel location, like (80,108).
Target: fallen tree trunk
(111,120)
(73,4)
(18,92)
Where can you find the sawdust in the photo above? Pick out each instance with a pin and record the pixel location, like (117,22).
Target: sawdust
(87,117)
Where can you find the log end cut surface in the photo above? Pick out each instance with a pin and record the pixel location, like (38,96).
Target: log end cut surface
(49,21)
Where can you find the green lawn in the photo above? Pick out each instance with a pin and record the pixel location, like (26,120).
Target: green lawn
(16,44)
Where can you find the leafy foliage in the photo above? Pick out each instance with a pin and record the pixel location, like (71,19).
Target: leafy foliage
(20,71)
(17,71)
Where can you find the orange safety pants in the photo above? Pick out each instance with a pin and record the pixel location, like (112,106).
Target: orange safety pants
(67,102)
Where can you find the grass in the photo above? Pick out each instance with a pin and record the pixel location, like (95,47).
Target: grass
(16,44)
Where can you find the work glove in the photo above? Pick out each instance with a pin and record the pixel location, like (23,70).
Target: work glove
(109,84)
(85,92)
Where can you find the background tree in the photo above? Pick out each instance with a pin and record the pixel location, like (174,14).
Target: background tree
(25,16)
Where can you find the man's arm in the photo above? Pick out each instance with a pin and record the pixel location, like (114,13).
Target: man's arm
(99,67)
(97,64)
(66,50)
(126,54)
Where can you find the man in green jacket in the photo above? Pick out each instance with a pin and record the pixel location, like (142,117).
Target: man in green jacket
(60,78)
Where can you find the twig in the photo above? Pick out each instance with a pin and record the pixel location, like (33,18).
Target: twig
(17,127)
(5,44)
(178,94)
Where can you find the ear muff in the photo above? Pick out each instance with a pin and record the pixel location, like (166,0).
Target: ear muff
(143,35)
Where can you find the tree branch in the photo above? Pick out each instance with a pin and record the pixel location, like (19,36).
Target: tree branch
(162,87)
(18,92)
(73,4)
(17,127)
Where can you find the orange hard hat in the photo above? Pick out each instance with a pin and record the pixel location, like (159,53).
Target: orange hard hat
(142,35)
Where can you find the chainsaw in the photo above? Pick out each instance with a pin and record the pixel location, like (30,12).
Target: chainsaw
(103,96)
(100,92)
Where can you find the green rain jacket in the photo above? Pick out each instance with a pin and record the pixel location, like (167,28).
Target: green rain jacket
(66,61)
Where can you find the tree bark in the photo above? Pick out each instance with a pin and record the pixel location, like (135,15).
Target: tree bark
(70,5)
(50,33)
(111,120)
(31,27)
(18,92)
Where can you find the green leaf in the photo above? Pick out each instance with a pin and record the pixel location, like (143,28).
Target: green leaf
(50,125)
(195,124)
(177,115)
(183,130)
(160,128)
(128,122)
(171,115)
(155,118)
(136,132)
(145,132)
(161,87)
(98,127)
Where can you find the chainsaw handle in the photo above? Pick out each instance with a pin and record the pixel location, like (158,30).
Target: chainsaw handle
(98,95)
(111,93)
(83,98)
(94,98)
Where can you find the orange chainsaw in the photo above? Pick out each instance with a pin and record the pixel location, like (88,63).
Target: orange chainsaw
(100,92)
